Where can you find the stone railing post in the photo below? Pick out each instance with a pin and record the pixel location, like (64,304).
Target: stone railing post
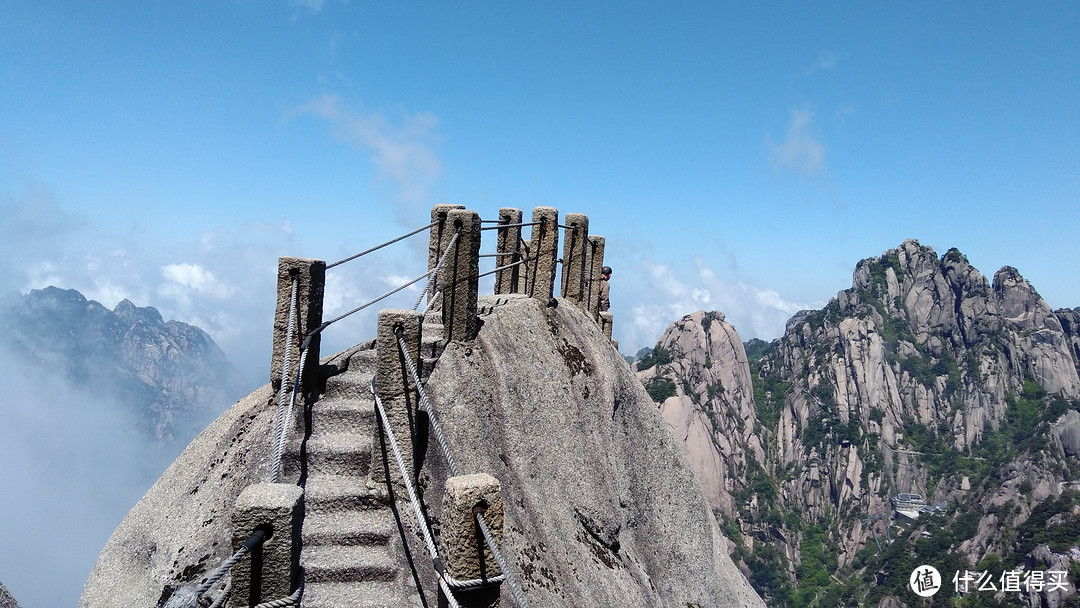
(310,277)
(605,323)
(509,244)
(544,249)
(439,237)
(397,392)
(465,554)
(595,262)
(574,253)
(460,276)
(271,570)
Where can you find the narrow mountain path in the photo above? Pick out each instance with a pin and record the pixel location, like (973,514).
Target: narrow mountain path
(348,523)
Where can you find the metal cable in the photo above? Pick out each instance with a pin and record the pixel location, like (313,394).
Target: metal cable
(436,428)
(417,511)
(480,276)
(286,361)
(292,600)
(224,595)
(510,225)
(256,537)
(425,405)
(319,329)
(283,429)
(519,597)
(390,242)
(434,272)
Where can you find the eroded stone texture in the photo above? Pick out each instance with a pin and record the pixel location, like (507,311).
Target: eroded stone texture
(310,278)
(544,249)
(509,280)
(463,550)
(574,258)
(459,277)
(396,388)
(596,246)
(602,507)
(271,569)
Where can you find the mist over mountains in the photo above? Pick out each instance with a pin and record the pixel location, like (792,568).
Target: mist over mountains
(926,415)
(100,401)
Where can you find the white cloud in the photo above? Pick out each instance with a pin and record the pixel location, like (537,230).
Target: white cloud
(800,151)
(403,153)
(195,278)
(662,295)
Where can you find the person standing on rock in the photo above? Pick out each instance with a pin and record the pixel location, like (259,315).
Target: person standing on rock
(605,274)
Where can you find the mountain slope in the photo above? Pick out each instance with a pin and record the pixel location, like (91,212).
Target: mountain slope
(923,378)
(171,375)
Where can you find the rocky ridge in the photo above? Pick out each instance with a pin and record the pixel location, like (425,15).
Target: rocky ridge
(171,375)
(602,508)
(923,377)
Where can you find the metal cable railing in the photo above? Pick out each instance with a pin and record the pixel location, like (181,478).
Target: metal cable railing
(377,247)
(451,465)
(434,274)
(417,511)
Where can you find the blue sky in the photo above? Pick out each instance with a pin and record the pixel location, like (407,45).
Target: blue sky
(738,157)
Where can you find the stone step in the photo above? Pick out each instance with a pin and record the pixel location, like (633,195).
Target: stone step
(354,383)
(350,563)
(339,454)
(371,594)
(366,527)
(335,414)
(335,493)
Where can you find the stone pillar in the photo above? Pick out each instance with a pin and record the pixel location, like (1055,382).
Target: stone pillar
(595,263)
(439,237)
(460,277)
(509,243)
(605,323)
(544,249)
(271,570)
(310,276)
(398,393)
(465,554)
(573,268)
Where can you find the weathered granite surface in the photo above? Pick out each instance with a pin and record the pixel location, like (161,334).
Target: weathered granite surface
(6,601)
(601,505)
(183,525)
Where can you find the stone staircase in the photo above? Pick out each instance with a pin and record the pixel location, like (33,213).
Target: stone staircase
(348,523)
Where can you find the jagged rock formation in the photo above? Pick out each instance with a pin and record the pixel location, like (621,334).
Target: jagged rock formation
(602,508)
(922,377)
(6,601)
(170,374)
(711,407)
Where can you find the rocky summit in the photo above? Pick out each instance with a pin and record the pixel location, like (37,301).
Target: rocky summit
(601,506)
(926,415)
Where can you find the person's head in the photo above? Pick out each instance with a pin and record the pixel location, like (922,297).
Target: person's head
(605,272)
